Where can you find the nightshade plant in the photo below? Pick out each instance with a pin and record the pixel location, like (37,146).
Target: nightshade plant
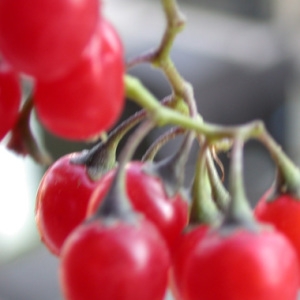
(131,230)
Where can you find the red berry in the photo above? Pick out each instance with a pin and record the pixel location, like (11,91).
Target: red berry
(44,38)
(10,98)
(90,98)
(119,261)
(62,200)
(283,213)
(241,265)
(186,243)
(147,195)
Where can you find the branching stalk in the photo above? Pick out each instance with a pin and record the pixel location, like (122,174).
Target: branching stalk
(160,142)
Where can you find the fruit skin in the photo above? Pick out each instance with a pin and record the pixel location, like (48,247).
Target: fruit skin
(61,201)
(120,261)
(147,196)
(187,241)
(10,98)
(242,265)
(283,213)
(90,98)
(45,38)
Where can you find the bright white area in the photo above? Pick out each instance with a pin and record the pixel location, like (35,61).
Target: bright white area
(18,182)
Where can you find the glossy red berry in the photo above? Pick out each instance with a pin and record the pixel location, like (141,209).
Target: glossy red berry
(62,200)
(10,98)
(241,265)
(44,38)
(147,195)
(283,213)
(89,99)
(116,260)
(188,240)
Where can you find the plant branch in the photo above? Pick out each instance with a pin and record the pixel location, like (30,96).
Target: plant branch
(162,115)
(203,208)
(160,142)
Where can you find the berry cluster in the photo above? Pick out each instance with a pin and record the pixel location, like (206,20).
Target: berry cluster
(130,230)
(74,57)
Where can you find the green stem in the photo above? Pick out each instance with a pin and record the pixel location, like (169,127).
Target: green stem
(239,212)
(118,133)
(136,91)
(175,24)
(160,142)
(102,157)
(289,173)
(116,203)
(128,151)
(171,170)
(220,194)
(161,59)
(203,208)
(162,116)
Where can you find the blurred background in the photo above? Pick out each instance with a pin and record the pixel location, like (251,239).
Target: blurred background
(243,59)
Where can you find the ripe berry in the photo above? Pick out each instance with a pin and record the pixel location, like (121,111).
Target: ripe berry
(45,38)
(284,214)
(90,98)
(62,200)
(114,260)
(147,196)
(241,265)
